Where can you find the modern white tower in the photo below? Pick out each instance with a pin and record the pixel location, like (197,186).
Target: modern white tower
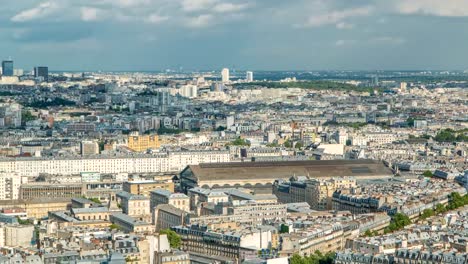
(249,76)
(225,75)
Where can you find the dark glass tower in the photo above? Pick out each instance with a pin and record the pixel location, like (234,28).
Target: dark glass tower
(7,67)
(42,71)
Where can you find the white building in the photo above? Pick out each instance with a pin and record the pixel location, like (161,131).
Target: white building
(167,162)
(403,86)
(10,184)
(249,76)
(189,91)
(18,235)
(225,75)
(229,121)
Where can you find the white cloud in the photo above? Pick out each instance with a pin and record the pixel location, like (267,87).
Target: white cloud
(197,5)
(200,21)
(156,19)
(89,14)
(447,8)
(42,10)
(388,40)
(229,7)
(345,42)
(344,25)
(337,17)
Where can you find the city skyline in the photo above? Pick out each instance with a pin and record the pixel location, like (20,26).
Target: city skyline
(151,35)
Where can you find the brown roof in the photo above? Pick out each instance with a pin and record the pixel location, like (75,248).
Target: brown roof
(286,169)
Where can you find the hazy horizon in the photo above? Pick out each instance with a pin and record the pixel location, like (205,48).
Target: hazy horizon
(299,35)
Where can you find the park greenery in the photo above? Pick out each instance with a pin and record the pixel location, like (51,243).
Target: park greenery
(174,239)
(239,142)
(27,116)
(428,174)
(284,229)
(288,144)
(57,101)
(398,221)
(369,233)
(165,130)
(316,258)
(450,135)
(311,85)
(456,201)
(115,227)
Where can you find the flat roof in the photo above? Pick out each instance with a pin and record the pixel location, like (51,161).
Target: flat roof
(286,169)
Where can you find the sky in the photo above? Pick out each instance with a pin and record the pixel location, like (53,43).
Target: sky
(146,35)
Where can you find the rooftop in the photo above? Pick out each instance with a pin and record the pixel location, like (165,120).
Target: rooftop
(285,169)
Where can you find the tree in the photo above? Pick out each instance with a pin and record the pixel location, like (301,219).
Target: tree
(27,116)
(174,239)
(399,221)
(427,213)
(114,227)
(368,233)
(428,174)
(287,144)
(440,208)
(296,259)
(298,145)
(240,142)
(316,258)
(284,229)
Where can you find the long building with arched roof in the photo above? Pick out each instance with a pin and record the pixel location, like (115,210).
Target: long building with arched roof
(259,176)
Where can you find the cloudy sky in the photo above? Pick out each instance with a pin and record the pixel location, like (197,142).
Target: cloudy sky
(247,34)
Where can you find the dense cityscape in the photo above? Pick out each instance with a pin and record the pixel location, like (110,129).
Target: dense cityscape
(233,166)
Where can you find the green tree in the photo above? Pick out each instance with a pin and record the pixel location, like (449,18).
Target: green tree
(440,208)
(115,227)
(298,145)
(428,174)
(296,259)
(27,116)
(240,142)
(284,229)
(427,213)
(316,258)
(174,239)
(398,221)
(368,233)
(287,144)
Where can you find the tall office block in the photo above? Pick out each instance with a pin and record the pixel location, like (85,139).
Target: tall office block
(7,68)
(225,75)
(249,76)
(42,71)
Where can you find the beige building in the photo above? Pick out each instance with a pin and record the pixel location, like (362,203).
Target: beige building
(93,213)
(141,143)
(130,224)
(178,200)
(134,205)
(320,192)
(177,257)
(19,235)
(88,148)
(167,216)
(144,187)
(37,208)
